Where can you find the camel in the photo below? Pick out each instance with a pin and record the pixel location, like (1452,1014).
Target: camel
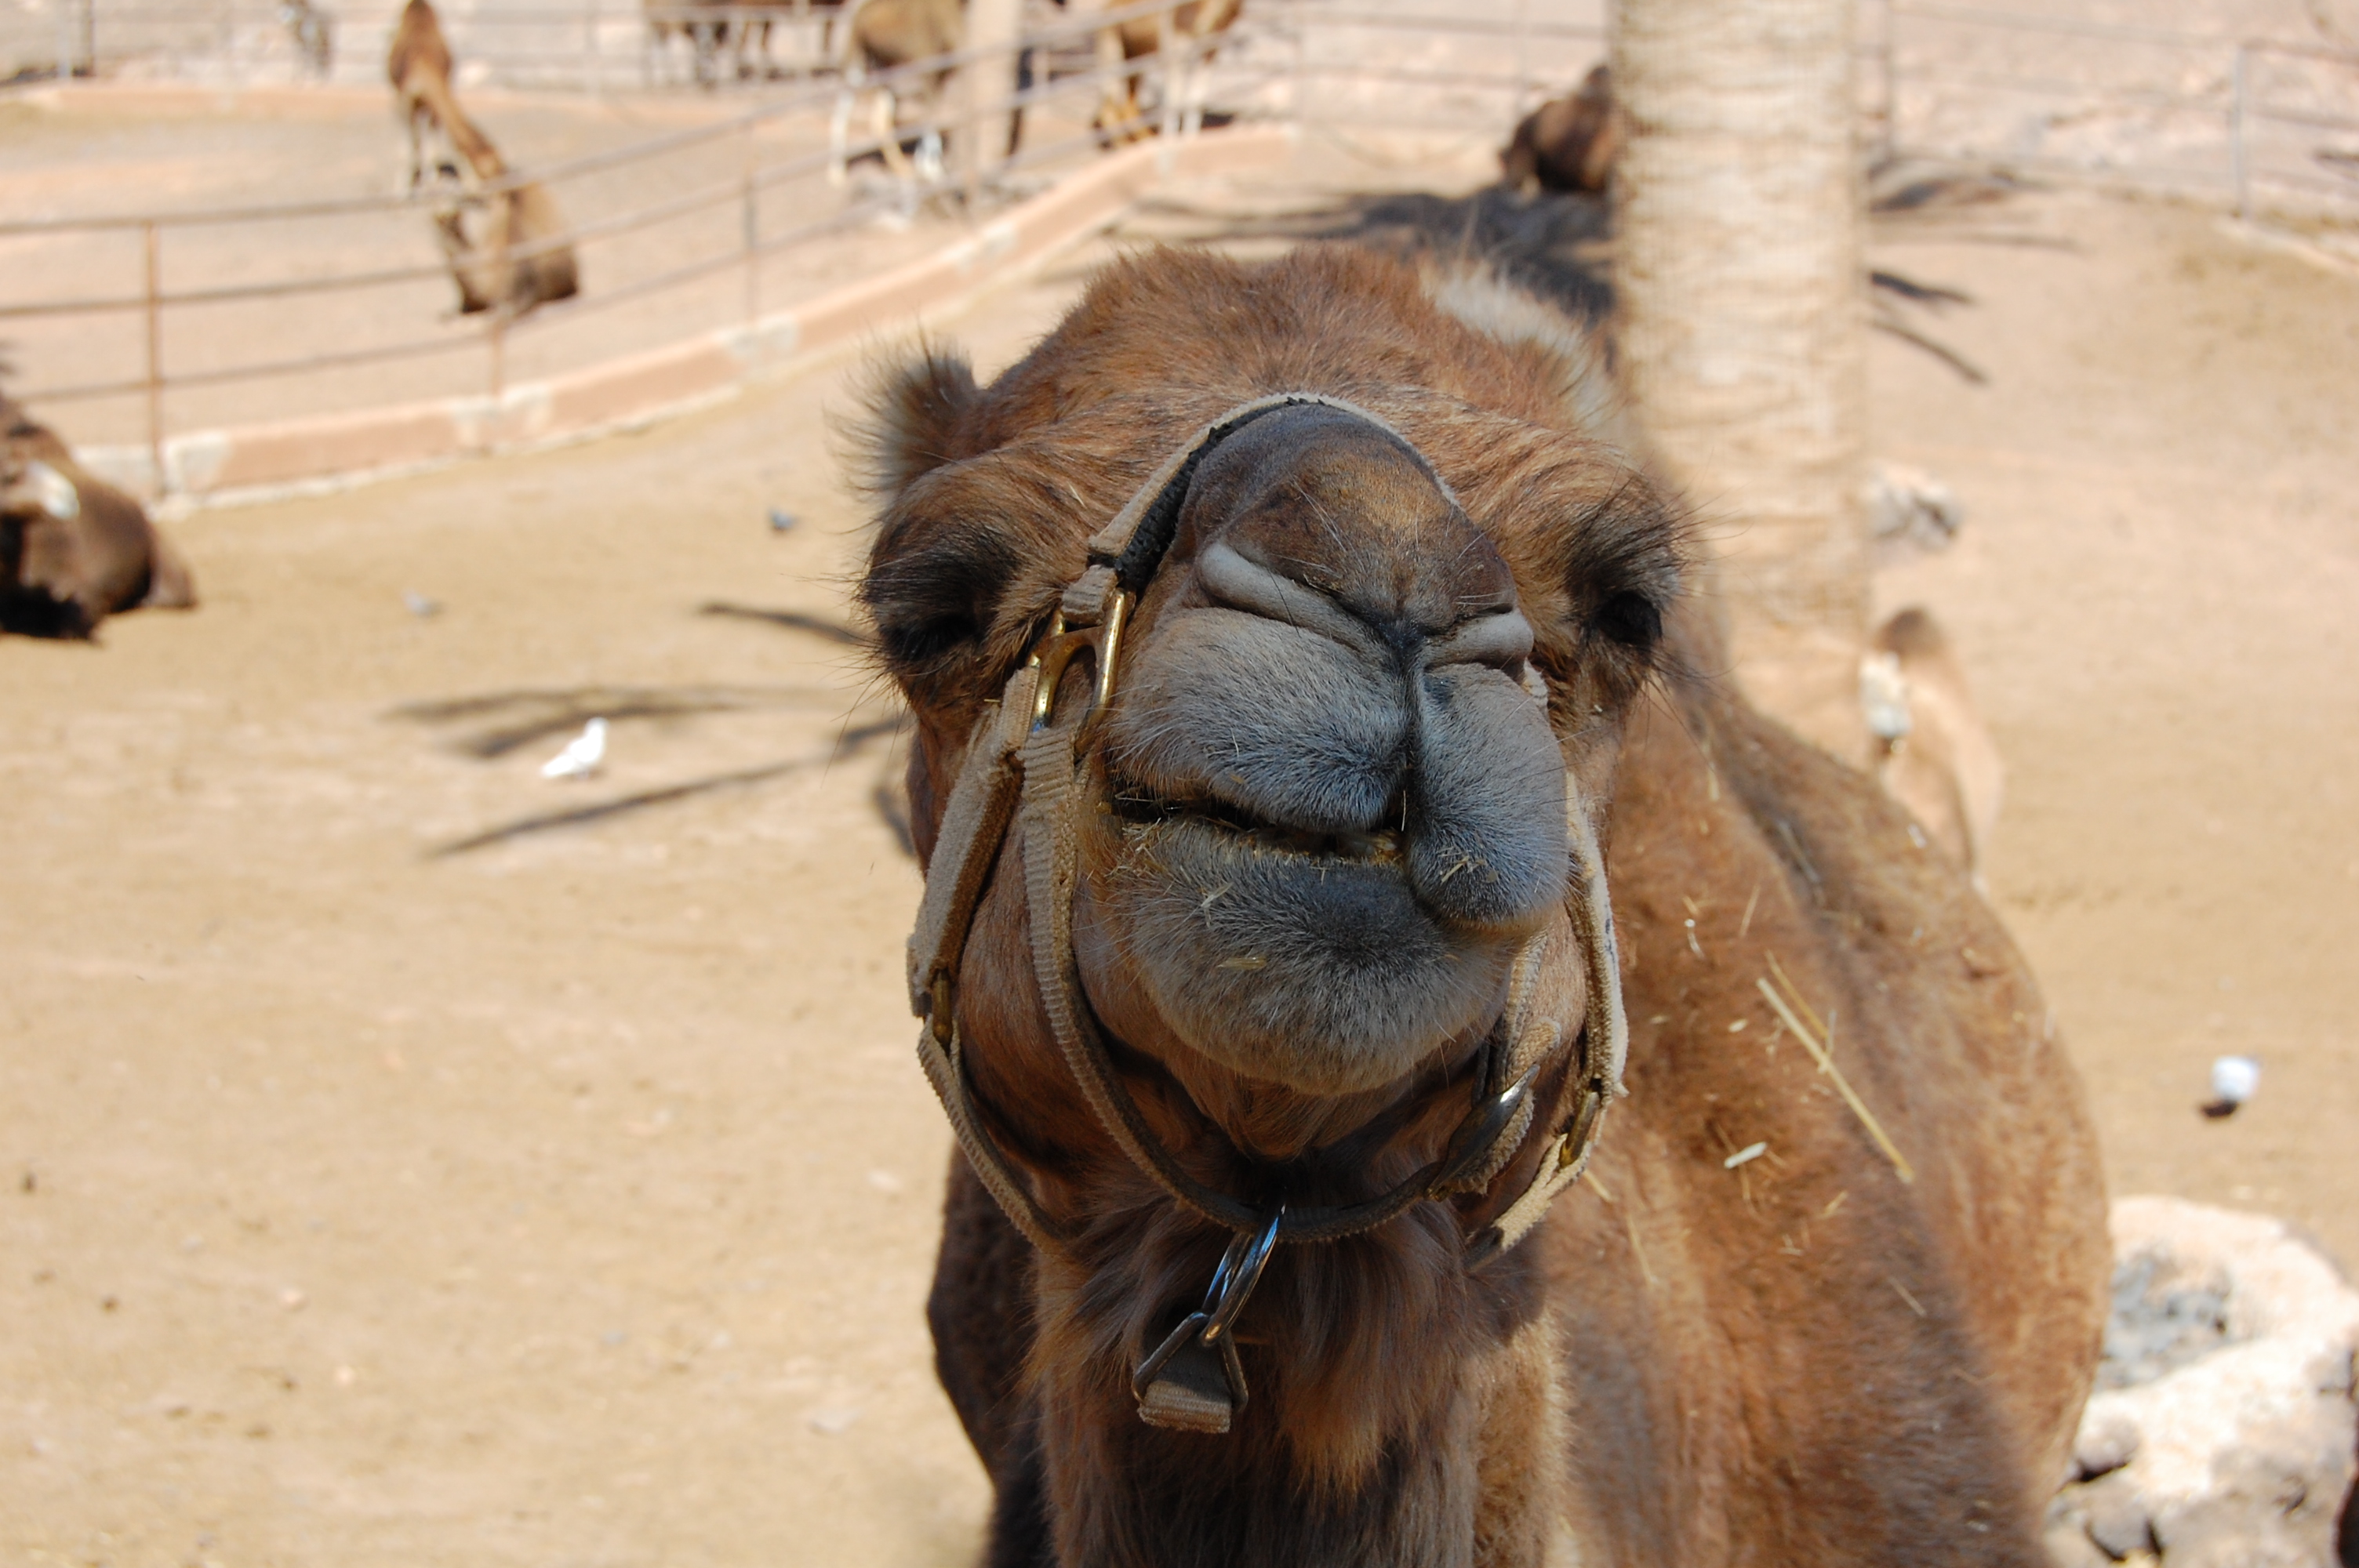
(1934,754)
(73,549)
(1567,143)
(1119,47)
(884,36)
(504,239)
(417,63)
(1439,1079)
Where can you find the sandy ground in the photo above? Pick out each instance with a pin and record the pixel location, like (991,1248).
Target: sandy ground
(569,1199)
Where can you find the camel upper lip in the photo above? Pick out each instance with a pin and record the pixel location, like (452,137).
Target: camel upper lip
(1142,810)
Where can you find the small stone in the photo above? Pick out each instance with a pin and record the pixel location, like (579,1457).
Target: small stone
(782,522)
(2068,1546)
(421,606)
(2105,1446)
(829,1424)
(292,1299)
(2117,1520)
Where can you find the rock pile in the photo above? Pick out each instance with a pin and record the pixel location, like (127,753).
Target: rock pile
(2222,1431)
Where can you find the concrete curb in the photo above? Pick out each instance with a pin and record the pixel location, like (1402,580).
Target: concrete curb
(334,449)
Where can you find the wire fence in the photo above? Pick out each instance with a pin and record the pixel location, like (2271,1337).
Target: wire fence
(159,322)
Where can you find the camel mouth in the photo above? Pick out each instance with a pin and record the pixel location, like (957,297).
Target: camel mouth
(1143,814)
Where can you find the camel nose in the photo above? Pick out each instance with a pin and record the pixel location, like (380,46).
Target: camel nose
(1347,659)
(1349,514)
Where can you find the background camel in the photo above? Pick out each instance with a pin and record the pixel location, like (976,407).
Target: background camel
(884,36)
(506,244)
(1121,45)
(73,549)
(1833,1290)
(417,63)
(1934,753)
(1567,143)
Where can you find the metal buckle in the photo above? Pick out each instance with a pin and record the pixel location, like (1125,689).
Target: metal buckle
(1056,651)
(1194,1380)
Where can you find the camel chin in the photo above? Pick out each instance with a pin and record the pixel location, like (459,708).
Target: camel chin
(1307,965)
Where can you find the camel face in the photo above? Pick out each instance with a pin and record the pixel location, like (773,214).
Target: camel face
(1332,785)
(1338,806)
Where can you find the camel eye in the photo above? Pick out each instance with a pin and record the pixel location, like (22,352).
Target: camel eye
(1630,618)
(933,605)
(919,645)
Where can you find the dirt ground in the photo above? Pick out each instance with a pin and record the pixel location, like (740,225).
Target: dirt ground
(569,1198)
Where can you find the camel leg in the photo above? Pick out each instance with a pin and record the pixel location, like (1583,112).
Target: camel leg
(417,148)
(887,123)
(1166,36)
(1116,106)
(839,134)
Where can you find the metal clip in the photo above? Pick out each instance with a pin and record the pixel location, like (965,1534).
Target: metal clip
(1195,1381)
(1056,650)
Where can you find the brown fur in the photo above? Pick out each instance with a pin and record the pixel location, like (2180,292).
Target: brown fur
(60,576)
(1567,144)
(1799,1360)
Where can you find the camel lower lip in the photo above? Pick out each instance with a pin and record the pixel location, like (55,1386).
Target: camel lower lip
(1146,817)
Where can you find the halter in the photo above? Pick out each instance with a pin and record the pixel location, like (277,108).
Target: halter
(1023,755)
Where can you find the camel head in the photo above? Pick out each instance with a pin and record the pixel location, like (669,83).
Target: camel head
(1328,793)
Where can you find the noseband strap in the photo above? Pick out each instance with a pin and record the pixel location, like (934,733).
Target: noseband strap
(1021,756)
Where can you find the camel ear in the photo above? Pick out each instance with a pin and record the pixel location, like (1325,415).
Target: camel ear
(915,409)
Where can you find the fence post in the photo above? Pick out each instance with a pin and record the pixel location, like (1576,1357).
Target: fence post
(749,223)
(65,41)
(1296,99)
(2236,155)
(1885,53)
(1523,61)
(993,29)
(151,301)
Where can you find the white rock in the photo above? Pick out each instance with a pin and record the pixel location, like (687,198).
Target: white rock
(2228,1392)
(2233,1079)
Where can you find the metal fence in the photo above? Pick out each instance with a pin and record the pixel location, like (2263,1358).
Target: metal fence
(697,229)
(2265,125)
(704,216)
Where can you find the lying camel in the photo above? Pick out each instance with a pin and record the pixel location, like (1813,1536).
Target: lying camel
(884,36)
(505,249)
(73,549)
(505,245)
(1292,669)
(1566,144)
(1120,47)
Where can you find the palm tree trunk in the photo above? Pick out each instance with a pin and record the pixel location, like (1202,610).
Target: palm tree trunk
(1743,326)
